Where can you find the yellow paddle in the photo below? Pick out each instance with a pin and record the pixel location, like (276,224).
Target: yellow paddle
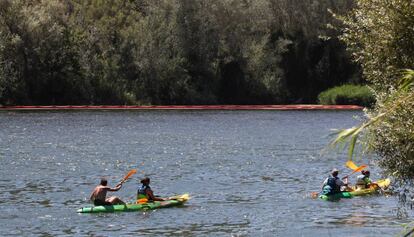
(351,165)
(348,164)
(357,170)
(354,167)
(183,197)
(130,173)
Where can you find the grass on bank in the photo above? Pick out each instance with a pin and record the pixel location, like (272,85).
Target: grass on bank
(347,95)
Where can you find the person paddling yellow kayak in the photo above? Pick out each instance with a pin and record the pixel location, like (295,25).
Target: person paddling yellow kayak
(363,180)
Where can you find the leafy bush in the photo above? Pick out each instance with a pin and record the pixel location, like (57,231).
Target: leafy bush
(379,35)
(346,95)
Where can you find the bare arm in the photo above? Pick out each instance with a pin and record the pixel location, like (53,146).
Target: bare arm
(92,197)
(151,196)
(117,187)
(345,181)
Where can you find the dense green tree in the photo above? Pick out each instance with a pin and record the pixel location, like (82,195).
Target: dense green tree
(199,41)
(39,64)
(169,51)
(315,60)
(380,36)
(104,32)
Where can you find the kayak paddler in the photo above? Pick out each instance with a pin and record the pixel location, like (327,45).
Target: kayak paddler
(363,180)
(98,196)
(145,193)
(333,183)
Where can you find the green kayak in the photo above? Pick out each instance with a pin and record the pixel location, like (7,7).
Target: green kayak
(336,196)
(175,201)
(381,184)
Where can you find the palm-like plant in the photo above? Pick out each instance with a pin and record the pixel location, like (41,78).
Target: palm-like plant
(403,93)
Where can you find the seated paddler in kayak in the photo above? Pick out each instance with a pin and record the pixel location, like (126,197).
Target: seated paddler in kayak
(363,180)
(145,193)
(333,184)
(98,196)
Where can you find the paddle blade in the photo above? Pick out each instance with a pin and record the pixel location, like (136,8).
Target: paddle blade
(359,169)
(314,195)
(184,197)
(351,165)
(130,173)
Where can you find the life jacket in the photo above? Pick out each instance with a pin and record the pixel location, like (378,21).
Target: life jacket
(362,181)
(331,187)
(142,192)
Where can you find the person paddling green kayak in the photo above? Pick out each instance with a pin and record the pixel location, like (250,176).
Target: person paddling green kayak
(98,196)
(333,183)
(145,193)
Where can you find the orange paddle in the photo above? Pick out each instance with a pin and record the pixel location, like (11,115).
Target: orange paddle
(130,173)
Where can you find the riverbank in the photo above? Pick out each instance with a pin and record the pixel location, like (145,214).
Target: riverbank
(186,107)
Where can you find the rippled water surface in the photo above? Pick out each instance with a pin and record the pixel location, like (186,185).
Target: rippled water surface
(249,174)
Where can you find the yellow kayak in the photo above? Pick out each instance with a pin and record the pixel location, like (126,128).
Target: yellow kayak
(381,184)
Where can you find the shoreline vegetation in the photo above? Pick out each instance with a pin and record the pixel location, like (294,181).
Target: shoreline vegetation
(348,94)
(170,52)
(186,107)
(379,34)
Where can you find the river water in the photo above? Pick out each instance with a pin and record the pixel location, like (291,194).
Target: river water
(249,174)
